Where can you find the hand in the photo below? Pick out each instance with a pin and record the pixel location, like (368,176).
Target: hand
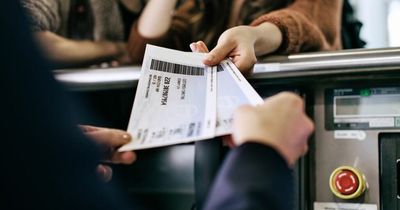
(123,57)
(280,123)
(243,43)
(199,47)
(120,56)
(110,139)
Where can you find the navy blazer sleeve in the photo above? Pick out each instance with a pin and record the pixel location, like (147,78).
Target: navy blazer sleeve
(254,177)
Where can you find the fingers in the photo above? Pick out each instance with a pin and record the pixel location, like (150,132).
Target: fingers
(289,99)
(228,140)
(309,124)
(193,47)
(108,137)
(219,53)
(305,148)
(123,157)
(88,128)
(114,63)
(199,47)
(245,62)
(202,47)
(105,172)
(245,125)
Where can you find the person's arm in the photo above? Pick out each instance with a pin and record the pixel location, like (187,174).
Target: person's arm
(253,177)
(307,25)
(152,28)
(304,26)
(48,163)
(161,25)
(270,139)
(45,21)
(244,43)
(156,18)
(67,52)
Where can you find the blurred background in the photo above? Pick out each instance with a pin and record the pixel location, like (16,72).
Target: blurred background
(381,22)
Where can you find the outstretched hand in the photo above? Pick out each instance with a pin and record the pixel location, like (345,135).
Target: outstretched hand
(110,140)
(237,44)
(242,44)
(238,48)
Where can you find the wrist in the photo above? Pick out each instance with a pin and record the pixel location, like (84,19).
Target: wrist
(269,38)
(269,141)
(121,49)
(116,49)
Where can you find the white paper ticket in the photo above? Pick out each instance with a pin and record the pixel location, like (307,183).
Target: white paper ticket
(175,101)
(233,90)
(179,99)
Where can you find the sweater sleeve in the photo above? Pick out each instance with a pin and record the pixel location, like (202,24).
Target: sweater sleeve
(42,14)
(307,25)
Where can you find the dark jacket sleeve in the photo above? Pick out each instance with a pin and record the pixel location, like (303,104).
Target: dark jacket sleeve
(253,177)
(46,162)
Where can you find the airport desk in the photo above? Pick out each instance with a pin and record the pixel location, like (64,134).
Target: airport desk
(354,157)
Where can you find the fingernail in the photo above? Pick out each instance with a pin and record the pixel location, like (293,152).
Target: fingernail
(126,137)
(193,47)
(128,157)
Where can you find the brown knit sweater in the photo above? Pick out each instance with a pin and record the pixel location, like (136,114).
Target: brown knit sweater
(53,15)
(306,25)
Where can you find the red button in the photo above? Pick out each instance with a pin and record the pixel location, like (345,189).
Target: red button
(346,182)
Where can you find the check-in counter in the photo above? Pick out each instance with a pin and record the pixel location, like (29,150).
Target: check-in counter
(353,163)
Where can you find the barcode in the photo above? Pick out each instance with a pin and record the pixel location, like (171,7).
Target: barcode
(220,68)
(174,68)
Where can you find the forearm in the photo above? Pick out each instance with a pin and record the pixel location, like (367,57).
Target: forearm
(156,18)
(73,53)
(268,38)
(307,25)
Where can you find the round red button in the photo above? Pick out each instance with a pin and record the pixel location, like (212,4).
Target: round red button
(346,182)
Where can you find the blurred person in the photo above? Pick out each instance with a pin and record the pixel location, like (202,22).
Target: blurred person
(67,31)
(81,32)
(243,29)
(47,163)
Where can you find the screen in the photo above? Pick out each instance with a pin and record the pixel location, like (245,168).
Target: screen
(374,105)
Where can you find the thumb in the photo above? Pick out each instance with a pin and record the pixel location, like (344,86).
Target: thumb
(219,53)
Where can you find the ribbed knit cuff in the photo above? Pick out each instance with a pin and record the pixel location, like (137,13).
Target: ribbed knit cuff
(288,27)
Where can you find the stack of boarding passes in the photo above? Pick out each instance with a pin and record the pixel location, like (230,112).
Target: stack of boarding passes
(180,100)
